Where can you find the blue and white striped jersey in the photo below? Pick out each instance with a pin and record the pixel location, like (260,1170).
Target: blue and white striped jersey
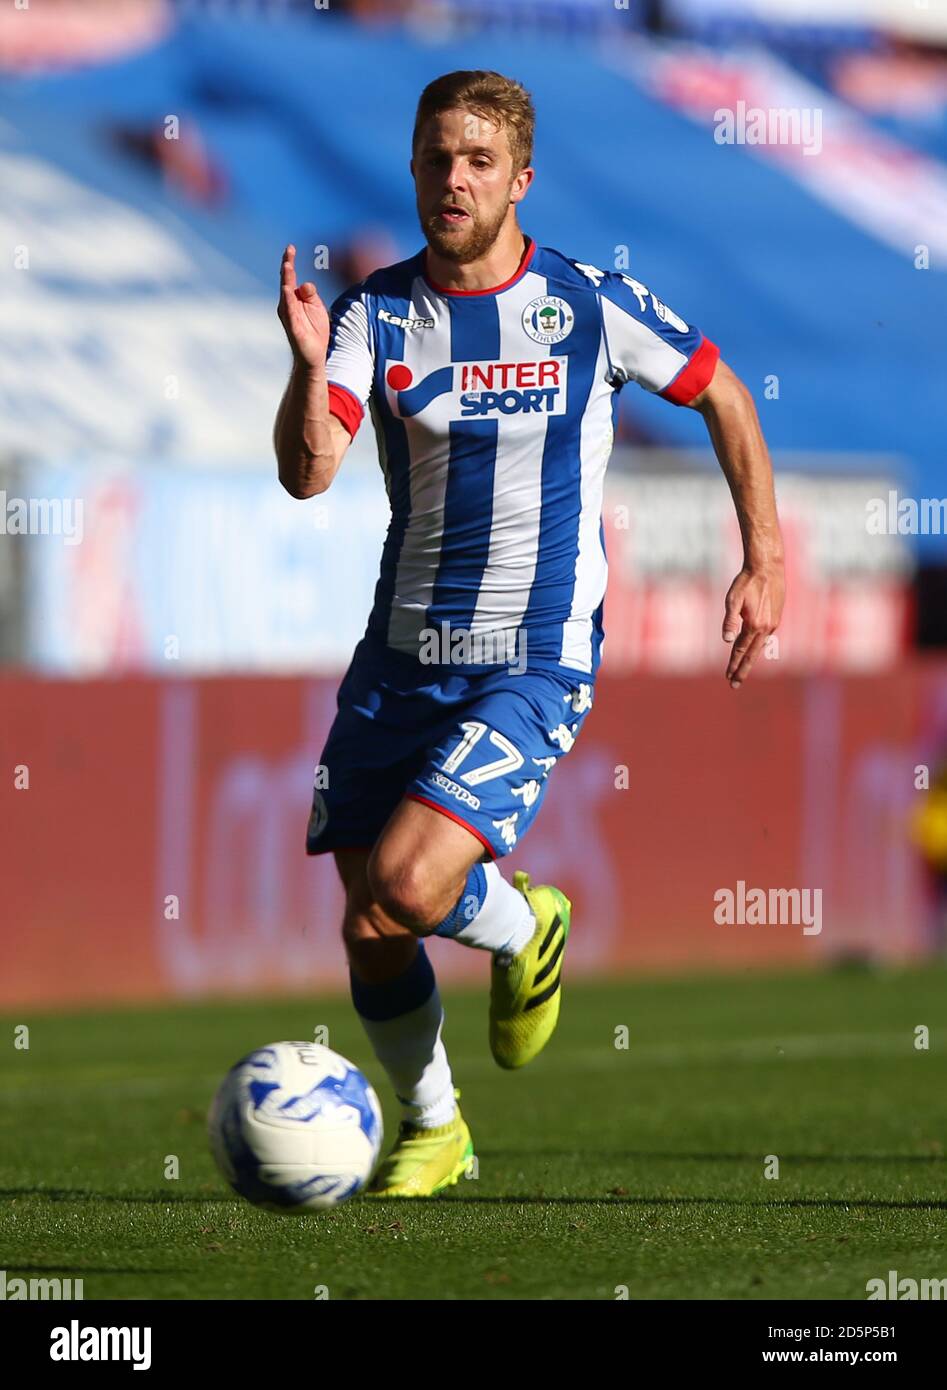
(494,414)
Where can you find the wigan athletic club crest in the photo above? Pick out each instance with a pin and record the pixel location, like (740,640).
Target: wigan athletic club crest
(548,319)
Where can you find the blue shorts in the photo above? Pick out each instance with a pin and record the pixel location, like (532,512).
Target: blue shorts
(478,747)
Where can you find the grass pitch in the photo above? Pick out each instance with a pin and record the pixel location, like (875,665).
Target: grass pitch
(599,1167)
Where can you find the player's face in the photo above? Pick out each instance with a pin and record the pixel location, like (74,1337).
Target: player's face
(464,183)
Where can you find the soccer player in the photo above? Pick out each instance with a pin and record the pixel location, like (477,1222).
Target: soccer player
(491,367)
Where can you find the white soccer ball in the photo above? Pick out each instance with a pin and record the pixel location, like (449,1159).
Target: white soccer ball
(295,1127)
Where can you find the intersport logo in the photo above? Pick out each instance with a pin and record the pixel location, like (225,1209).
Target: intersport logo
(481,389)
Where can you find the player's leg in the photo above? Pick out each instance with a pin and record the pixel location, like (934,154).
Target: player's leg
(423,877)
(396,997)
(419,866)
(428,874)
(531,721)
(378,949)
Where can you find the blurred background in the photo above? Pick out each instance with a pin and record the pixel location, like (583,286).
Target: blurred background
(173,627)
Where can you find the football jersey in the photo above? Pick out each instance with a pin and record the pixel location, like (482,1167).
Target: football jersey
(494,414)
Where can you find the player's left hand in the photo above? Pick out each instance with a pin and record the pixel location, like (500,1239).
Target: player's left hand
(754,605)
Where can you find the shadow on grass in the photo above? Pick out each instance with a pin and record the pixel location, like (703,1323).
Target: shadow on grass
(82,1194)
(523,1199)
(644,1155)
(607,1199)
(19,1271)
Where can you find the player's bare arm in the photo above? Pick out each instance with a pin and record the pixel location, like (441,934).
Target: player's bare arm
(754,602)
(309,442)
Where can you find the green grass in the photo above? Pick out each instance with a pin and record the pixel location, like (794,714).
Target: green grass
(598,1167)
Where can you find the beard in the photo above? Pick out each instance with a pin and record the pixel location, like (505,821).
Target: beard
(462,245)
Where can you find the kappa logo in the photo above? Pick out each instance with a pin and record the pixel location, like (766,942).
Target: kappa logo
(453,789)
(548,319)
(481,389)
(641,293)
(409,324)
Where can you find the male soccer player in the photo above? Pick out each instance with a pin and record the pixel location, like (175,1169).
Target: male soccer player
(491,367)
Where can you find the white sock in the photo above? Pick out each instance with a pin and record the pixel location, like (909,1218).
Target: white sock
(505,921)
(410,1049)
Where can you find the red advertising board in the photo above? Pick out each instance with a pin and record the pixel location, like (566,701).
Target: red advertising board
(153,830)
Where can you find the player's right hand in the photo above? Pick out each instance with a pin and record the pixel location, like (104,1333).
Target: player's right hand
(302,314)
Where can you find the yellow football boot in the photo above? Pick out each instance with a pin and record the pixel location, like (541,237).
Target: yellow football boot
(424,1161)
(525,995)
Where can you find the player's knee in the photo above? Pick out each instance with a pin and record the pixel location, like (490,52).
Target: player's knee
(401,889)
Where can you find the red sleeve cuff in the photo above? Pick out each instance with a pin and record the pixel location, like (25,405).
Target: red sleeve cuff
(345,407)
(692,379)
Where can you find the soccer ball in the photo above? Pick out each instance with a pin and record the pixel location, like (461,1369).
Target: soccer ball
(295,1127)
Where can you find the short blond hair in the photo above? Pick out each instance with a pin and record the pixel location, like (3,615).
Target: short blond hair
(488,94)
